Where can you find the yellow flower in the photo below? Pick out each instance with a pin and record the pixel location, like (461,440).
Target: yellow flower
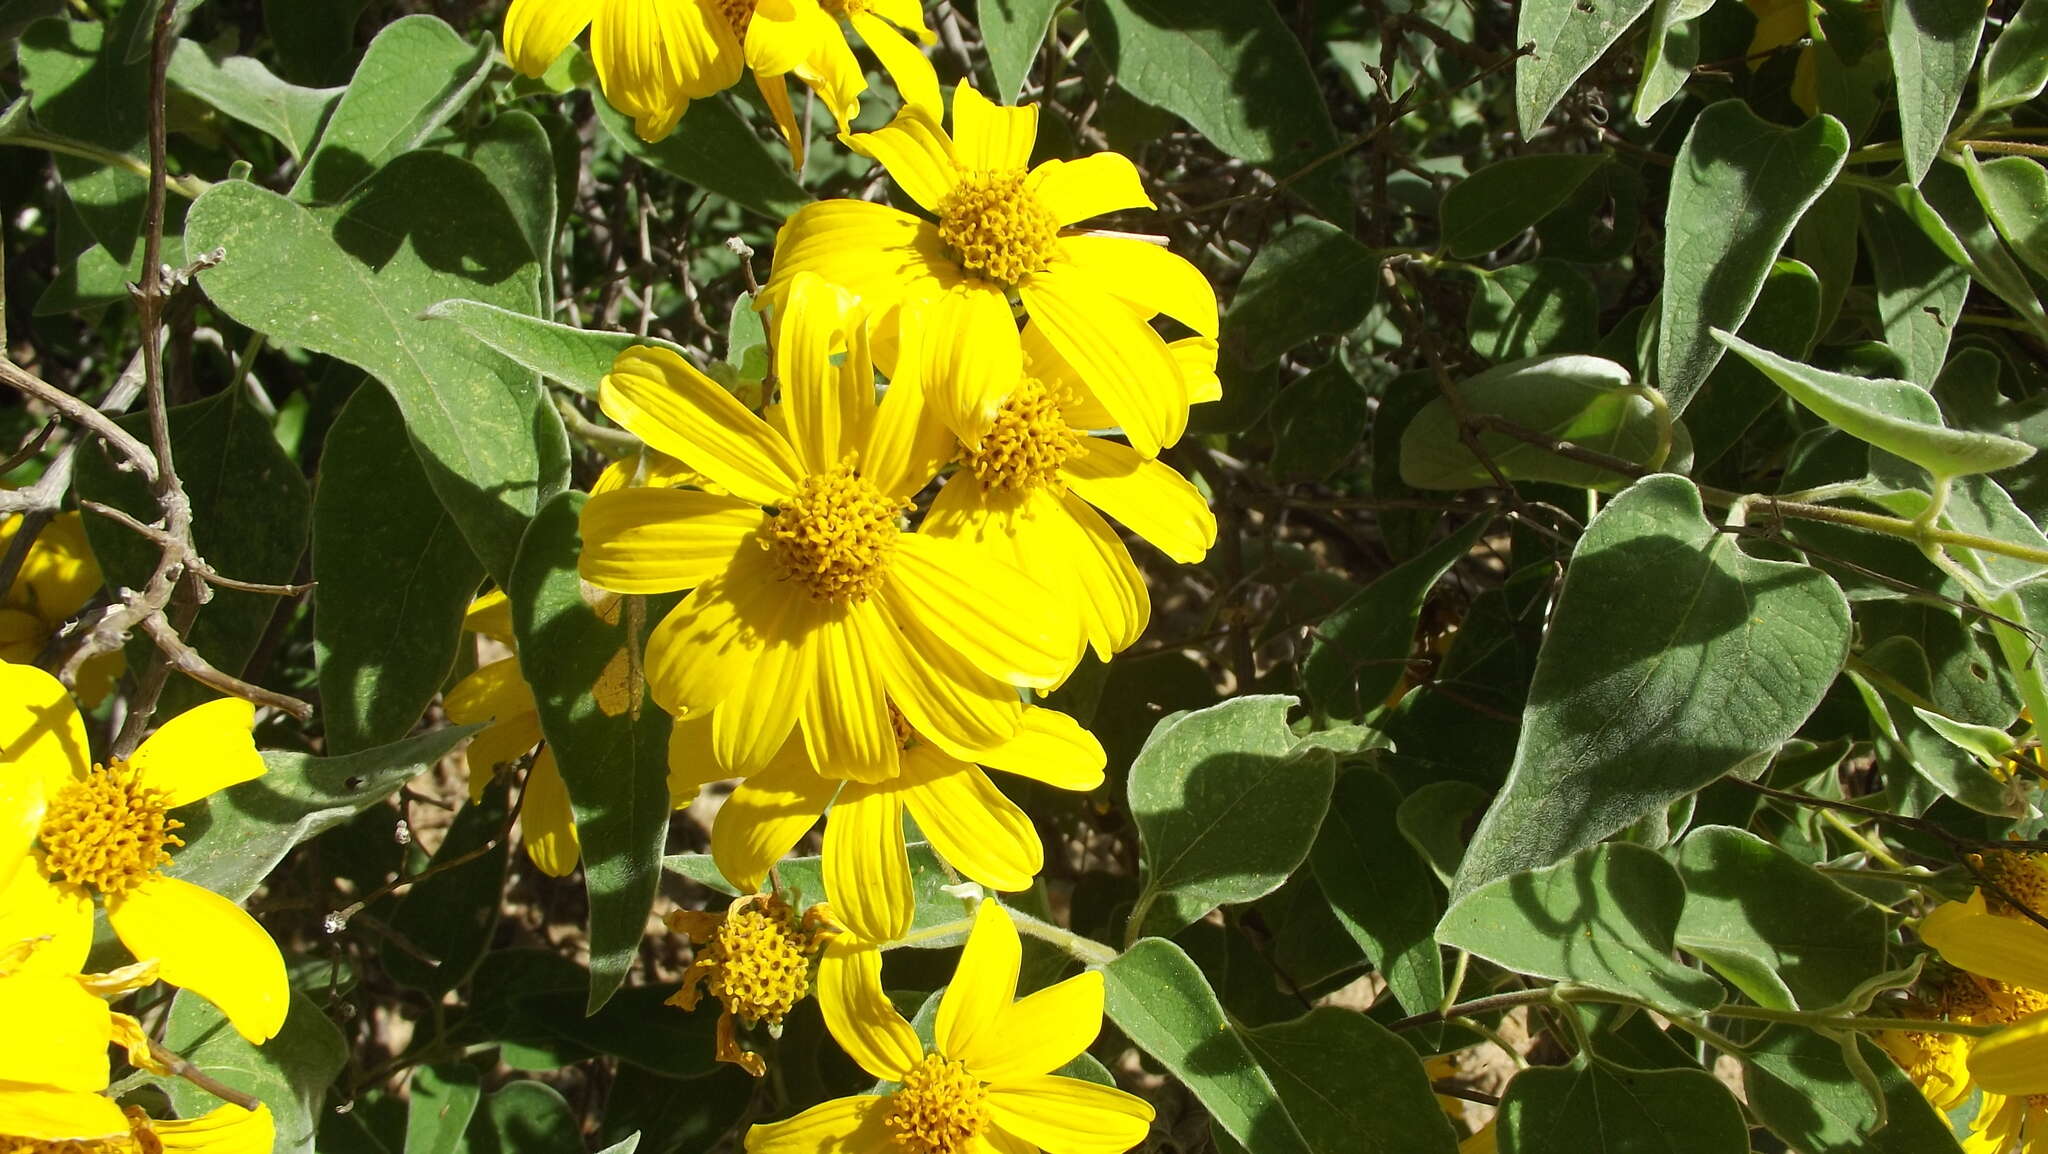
(1000,228)
(40,1121)
(968,821)
(655,56)
(1030,487)
(57,578)
(107,830)
(755,959)
(498,693)
(68,1019)
(2011,952)
(811,606)
(986,1085)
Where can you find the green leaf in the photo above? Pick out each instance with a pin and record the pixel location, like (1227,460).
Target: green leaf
(442,926)
(1158,997)
(1598,1108)
(540,998)
(527,1117)
(716,150)
(1803,1088)
(81,87)
(1225,808)
(615,764)
(1740,185)
(1670,51)
(290,1073)
(1661,624)
(1946,208)
(1786,320)
(1380,889)
(1528,310)
(1589,401)
(1920,291)
(1785,935)
(1012,31)
(1899,417)
(1233,70)
(1317,424)
(242,87)
(315,43)
(442,1099)
(394,576)
(350,281)
(1933,44)
(1604,917)
(1273,311)
(2014,192)
(236,837)
(573,357)
(1321,1060)
(1493,206)
(1433,819)
(1569,36)
(250,516)
(417,74)
(514,153)
(2016,68)
(1361,651)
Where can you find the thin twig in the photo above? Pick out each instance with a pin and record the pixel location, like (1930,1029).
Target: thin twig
(179,1067)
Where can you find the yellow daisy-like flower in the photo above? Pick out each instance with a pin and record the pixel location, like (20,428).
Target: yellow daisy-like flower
(812,607)
(1030,488)
(655,56)
(42,1121)
(57,578)
(107,831)
(498,693)
(966,818)
(986,1085)
(1000,227)
(68,1017)
(755,959)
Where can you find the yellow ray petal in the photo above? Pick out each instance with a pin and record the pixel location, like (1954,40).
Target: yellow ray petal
(1151,499)
(843,1124)
(1096,185)
(59,1033)
(766,816)
(1115,355)
(1078,406)
(33,907)
(226,1129)
(867,867)
(661,540)
(1197,359)
(201,751)
(859,1014)
(989,137)
(536,31)
(547,820)
(1114,604)
(705,645)
(877,253)
(947,586)
(692,760)
(984,983)
(916,81)
(42,746)
(1039,1033)
(954,705)
(907,15)
(779,34)
(971,824)
(828,411)
(59,575)
(491,615)
(846,715)
(2014,1061)
(757,716)
(654,56)
(775,93)
(1069,1116)
(907,444)
(834,73)
(205,943)
(42,1114)
(1150,277)
(2012,950)
(915,151)
(662,399)
(1052,748)
(973,358)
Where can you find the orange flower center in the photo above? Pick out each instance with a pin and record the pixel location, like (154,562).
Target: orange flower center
(995,228)
(844,8)
(108,830)
(140,1139)
(739,14)
(1027,444)
(941,1108)
(834,536)
(2021,874)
